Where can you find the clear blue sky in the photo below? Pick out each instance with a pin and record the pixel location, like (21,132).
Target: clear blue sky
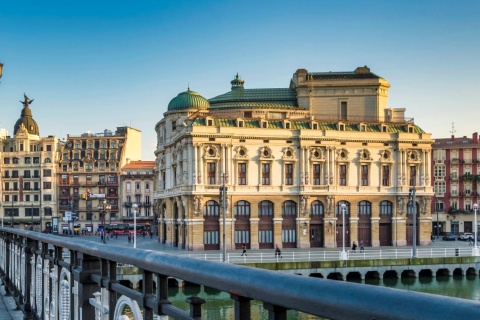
(92,65)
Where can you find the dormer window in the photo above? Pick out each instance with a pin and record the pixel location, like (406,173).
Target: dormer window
(341,127)
(315,126)
(174,125)
(287,125)
(240,124)
(264,124)
(210,122)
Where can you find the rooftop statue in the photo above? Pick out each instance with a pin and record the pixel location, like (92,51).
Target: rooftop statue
(27,101)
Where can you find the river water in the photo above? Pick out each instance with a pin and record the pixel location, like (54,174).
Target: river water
(219,305)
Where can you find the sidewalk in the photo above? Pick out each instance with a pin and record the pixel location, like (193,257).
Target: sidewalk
(8,307)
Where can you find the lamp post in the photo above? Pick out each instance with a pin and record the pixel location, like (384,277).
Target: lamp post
(475,232)
(11,214)
(223,199)
(104,208)
(134,210)
(437,209)
(413,200)
(343,255)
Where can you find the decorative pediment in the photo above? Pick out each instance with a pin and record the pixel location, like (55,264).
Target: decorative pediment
(317,154)
(413,156)
(241,153)
(386,156)
(211,152)
(266,153)
(288,153)
(342,155)
(364,155)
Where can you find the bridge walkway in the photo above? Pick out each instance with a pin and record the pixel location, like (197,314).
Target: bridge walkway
(8,308)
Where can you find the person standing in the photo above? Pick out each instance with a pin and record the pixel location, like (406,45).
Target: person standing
(354,246)
(244,248)
(278,252)
(362,248)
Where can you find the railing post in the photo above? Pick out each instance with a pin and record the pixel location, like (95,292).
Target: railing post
(162,293)
(147,293)
(112,296)
(29,268)
(242,307)
(87,265)
(195,307)
(275,312)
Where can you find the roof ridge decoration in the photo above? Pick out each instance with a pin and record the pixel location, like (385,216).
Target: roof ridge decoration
(237,83)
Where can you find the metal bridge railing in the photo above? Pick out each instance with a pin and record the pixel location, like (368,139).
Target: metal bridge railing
(333,255)
(54,277)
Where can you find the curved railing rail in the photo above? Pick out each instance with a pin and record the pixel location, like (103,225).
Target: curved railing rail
(56,277)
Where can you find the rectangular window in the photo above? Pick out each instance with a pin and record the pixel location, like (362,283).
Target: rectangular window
(242,174)
(26,173)
(343,175)
(47,197)
(89,179)
(266,173)
(137,186)
(289,174)
(364,175)
(7,186)
(343,110)
(440,187)
(47,185)
(129,186)
(47,172)
(385,176)
(36,173)
(316,174)
(211,172)
(413,175)
(26,185)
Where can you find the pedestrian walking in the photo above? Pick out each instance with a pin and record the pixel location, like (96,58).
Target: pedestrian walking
(278,252)
(244,252)
(129,238)
(362,248)
(151,235)
(470,241)
(354,246)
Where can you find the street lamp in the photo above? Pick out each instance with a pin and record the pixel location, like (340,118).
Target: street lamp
(223,200)
(437,208)
(343,255)
(475,226)
(104,208)
(413,203)
(134,210)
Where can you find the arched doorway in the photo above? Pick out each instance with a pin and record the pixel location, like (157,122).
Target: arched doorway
(365,223)
(242,224)
(211,225)
(289,226)
(316,224)
(265,225)
(385,232)
(339,224)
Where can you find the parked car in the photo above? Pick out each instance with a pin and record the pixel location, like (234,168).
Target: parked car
(449,237)
(466,236)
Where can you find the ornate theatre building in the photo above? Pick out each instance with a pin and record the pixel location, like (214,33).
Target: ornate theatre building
(295,162)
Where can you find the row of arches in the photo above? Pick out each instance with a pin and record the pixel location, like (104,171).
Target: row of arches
(242,212)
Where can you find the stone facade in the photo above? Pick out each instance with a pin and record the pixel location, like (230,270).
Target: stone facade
(290,158)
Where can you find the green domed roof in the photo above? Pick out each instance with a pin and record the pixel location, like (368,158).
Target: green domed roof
(188,100)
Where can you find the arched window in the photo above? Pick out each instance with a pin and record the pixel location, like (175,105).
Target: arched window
(88,167)
(242,208)
(385,207)
(75,156)
(90,145)
(265,208)
(364,207)
(211,209)
(289,208)
(316,208)
(104,145)
(338,207)
(48,160)
(75,167)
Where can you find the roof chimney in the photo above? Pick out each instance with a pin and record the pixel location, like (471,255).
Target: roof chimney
(475,137)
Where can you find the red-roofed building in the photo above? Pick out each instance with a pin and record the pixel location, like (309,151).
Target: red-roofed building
(456,174)
(136,186)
